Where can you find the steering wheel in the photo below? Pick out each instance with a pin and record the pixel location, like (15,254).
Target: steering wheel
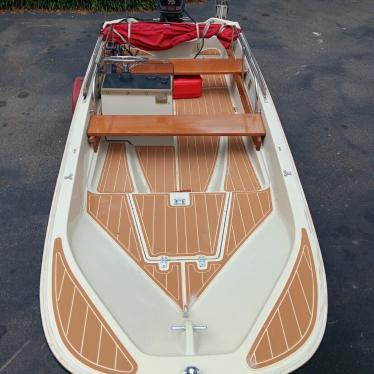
(127,61)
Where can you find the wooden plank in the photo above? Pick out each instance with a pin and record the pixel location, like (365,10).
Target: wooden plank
(154,67)
(257,140)
(164,125)
(193,67)
(207,66)
(242,93)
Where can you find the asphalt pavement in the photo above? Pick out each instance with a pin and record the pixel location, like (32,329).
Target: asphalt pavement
(317,57)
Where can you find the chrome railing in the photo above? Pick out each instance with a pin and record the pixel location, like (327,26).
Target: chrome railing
(92,68)
(258,78)
(124,59)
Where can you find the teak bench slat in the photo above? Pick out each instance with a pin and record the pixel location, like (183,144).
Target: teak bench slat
(193,67)
(164,125)
(172,125)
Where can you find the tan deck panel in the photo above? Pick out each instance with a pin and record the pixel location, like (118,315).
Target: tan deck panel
(197,280)
(240,175)
(244,219)
(293,317)
(197,155)
(82,329)
(118,223)
(158,165)
(169,280)
(180,231)
(248,210)
(115,176)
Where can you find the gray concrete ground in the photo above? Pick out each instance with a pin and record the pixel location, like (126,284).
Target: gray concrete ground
(318,60)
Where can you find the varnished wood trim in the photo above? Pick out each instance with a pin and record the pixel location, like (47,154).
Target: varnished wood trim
(194,66)
(207,66)
(293,317)
(95,142)
(257,140)
(166,125)
(242,93)
(81,327)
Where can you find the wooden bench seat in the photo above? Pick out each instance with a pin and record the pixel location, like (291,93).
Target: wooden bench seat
(192,67)
(172,125)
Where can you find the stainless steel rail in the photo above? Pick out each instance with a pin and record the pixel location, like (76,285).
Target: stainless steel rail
(92,68)
(257,75)
(124,59)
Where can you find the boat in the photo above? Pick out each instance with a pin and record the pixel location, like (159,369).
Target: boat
(179,239)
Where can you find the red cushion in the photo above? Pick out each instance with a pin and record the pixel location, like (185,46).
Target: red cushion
(187,87)
(157,36)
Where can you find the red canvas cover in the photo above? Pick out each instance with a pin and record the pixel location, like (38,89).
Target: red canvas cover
(156,36)
(187,87)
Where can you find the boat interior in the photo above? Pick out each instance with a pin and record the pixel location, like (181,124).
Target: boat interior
(176,205)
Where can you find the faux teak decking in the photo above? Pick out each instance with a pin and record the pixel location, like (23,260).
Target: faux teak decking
(182,234)
(213,226)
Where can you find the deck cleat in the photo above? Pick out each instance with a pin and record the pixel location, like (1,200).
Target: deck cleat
(191,370)
(164,263)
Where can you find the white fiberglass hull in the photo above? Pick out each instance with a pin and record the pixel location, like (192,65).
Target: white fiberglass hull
(245,293)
